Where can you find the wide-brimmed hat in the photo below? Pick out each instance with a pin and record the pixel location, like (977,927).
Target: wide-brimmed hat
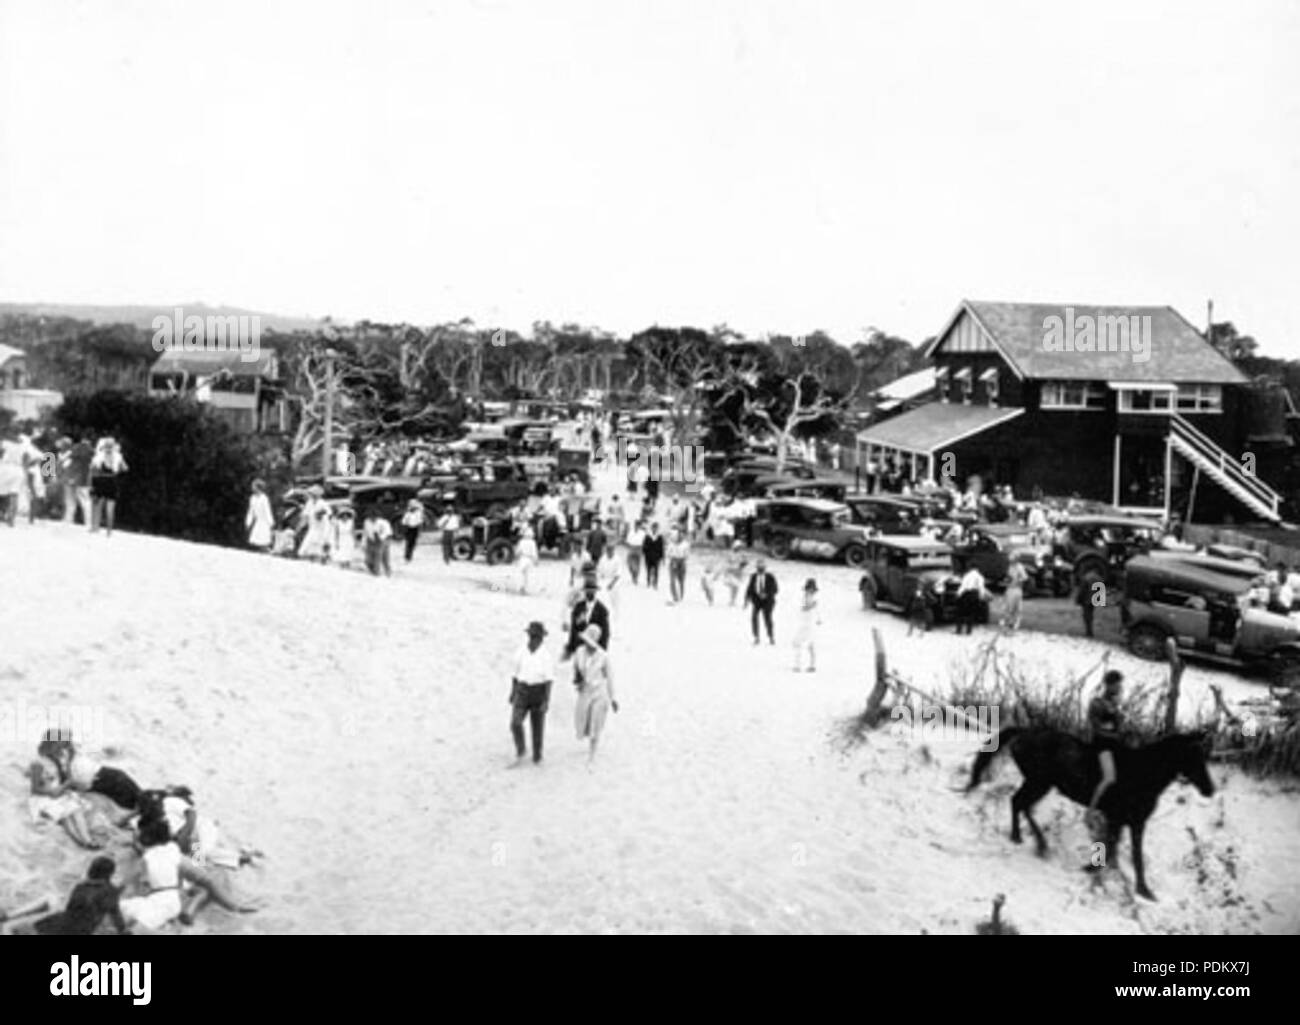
(592,635)
(536,629)
(414,503)
(810,584)
(316,490)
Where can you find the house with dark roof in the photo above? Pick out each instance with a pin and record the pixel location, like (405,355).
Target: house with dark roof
(245,391)
(1129,405)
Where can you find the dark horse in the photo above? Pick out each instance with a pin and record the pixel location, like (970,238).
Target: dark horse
(1048,758)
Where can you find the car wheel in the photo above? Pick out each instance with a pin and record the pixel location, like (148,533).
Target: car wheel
(1286,672)
(1148,642)
(855,556)
(500,552)
(463,548)
(779,546)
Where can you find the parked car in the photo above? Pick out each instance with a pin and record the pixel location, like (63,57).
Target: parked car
(808,487)
(991,548)
(809,528)
(1103,545)
(1208,614)
(1247,570)
(1236,553)
(907,572)
(749,480)
(885,514)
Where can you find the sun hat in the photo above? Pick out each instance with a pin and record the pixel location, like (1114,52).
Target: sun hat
(536,628)
(592,635)
(810,584)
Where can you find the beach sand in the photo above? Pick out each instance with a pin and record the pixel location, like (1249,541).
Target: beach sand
(356,730)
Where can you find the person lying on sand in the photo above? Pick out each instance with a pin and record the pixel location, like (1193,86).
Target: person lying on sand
(80,772)
(91,901)
(49,800)
(198,835)
(163,872)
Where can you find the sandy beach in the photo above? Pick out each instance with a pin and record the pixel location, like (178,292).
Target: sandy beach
(355,730)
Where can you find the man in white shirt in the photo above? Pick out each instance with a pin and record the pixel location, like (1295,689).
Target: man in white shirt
(530,692)
(449,524)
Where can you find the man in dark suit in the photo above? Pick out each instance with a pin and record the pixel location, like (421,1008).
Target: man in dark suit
(589,609)
(761,597)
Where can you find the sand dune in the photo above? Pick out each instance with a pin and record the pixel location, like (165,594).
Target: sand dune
(355,729)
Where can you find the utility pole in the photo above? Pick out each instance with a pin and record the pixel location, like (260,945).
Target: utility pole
(327,451)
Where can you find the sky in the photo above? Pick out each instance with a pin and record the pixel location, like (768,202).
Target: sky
(776,166)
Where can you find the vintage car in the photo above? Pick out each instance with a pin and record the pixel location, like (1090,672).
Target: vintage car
(748,480)
(1103,545)
(1208,613)
(913,574)
(885,514)
(991,547)
(390,495)
(1230,567)
(1236,553)
(809,528)
(807,487)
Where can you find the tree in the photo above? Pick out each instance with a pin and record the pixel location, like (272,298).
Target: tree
(1234,346)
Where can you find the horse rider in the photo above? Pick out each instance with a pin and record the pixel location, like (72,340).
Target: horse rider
(1105,722)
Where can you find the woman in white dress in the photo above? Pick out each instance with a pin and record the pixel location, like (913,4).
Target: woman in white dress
(527,555)
(805,637)
(258,520)
(595,689)
(343,542)
(316,513)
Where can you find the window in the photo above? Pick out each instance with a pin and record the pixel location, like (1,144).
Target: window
(963,378)
(941,382)
(1073,395)
(1140,400)
(990,379)
(1200,398)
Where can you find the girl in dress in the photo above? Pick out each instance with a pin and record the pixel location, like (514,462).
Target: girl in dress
(344,542)
(258,520)
(806,635)
(595,691)
(105,468)
(527,555)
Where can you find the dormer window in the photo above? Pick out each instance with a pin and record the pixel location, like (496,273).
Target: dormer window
(941,381)
(990,381)
(965,381)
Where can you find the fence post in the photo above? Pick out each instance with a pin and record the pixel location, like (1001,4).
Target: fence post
(1175,679)
(881,688)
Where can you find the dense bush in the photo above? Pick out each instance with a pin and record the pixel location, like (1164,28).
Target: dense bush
(189,471)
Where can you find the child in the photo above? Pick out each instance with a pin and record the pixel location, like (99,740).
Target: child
(806,634)
(344,542)
(527,554)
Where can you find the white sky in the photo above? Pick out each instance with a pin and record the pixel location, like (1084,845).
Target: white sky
(780,166)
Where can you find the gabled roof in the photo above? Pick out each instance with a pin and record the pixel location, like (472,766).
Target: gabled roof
(8,352)
(1178,352)
(909,386)
(206,361)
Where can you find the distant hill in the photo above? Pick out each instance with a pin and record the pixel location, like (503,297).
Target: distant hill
(142,316)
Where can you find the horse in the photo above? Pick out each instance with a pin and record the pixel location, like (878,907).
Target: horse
(1049,758)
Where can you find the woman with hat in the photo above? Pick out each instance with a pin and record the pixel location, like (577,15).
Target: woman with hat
(105,468)
(805,636)
(412,521)
(595,689)
(258,520)
(343,540)
(316,515)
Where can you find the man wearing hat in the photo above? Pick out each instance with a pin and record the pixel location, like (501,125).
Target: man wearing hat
(589,610)
(530,691)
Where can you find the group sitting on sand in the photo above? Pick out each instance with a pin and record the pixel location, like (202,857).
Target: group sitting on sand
(183,860)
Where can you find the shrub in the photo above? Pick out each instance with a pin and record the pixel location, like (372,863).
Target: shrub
(188,471)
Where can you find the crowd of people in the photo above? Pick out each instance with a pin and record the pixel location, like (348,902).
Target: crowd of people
(180,859)
(78,480)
